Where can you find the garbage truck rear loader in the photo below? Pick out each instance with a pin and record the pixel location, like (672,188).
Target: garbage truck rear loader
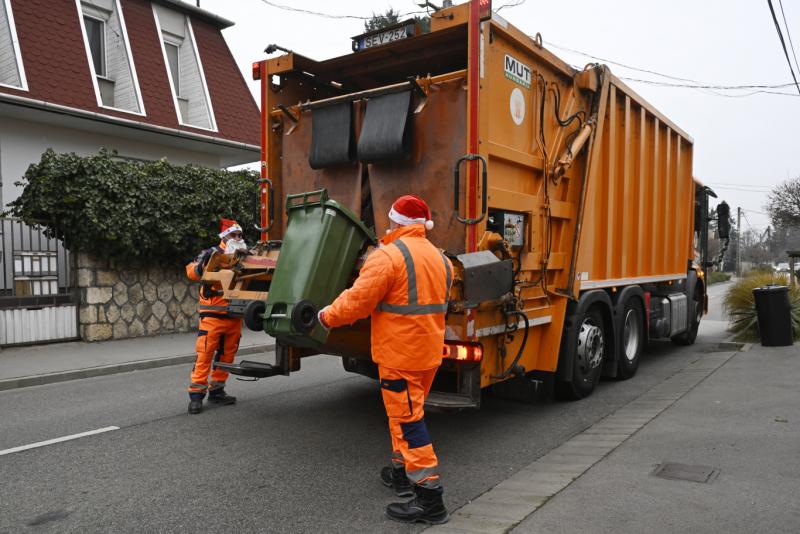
(565,200)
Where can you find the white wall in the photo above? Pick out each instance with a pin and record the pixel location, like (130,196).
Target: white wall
(22,143)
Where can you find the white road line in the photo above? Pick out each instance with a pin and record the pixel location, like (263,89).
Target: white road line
(58,440)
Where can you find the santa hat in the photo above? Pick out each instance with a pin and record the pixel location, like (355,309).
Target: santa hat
(228,226)
(409,209)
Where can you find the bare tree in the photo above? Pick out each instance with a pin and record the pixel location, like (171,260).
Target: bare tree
(784,203)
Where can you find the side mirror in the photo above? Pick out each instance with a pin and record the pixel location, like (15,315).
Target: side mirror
(723,220)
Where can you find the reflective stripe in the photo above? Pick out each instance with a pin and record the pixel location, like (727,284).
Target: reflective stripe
(414,307)
(412,273)
(195,385)
(397,459)
(449,277)
(428,477)
(419,309)
(212,308)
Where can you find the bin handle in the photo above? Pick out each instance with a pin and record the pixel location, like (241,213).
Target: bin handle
(270,202)
(484,177)
(322,193)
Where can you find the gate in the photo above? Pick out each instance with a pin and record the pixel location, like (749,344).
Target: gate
(37,303)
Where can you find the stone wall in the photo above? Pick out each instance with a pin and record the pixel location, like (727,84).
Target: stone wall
(124,301)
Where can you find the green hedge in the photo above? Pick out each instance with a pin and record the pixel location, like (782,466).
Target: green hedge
(717,276)
(127,210)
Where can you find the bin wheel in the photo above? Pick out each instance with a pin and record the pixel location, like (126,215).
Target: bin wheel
(632,339)
(696,309)
(304,316)
(588,355)
(253,315)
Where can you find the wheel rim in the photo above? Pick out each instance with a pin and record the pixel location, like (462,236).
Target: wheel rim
(590,346)
(631,335)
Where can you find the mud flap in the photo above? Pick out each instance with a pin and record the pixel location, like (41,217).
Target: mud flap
(386,132)
(331,136)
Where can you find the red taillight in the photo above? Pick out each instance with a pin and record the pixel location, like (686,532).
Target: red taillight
(463,352)
(485,9)
(257,70)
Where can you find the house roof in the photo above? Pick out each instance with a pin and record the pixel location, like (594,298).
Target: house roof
(58,71)
(213,18)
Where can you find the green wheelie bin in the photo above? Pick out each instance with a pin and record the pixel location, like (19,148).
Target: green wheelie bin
(322,242)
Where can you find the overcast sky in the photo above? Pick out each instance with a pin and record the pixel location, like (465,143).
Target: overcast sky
(743,146)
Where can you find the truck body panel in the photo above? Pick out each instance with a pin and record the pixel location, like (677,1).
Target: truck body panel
(587,186)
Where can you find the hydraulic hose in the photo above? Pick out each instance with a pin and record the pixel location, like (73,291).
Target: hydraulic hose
(515,368)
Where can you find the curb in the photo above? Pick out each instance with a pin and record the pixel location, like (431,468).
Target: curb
(112,369)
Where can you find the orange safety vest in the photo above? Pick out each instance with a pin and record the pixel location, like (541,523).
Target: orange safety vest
(210,305)
(404,285)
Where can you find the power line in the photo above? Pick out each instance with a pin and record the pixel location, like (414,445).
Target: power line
(692,84)
(741,189)
(513,3)
(789,35)
(710,86)
(783,43)
(333,15)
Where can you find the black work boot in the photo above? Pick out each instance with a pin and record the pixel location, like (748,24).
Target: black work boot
(195,403)
(427,506)
(396,478)
(218,396)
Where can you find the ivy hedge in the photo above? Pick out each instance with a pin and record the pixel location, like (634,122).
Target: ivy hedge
(134,211)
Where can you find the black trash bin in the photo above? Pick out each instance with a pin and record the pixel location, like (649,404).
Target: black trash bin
(774,313)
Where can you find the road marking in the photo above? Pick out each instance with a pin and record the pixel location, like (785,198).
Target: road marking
(58,440)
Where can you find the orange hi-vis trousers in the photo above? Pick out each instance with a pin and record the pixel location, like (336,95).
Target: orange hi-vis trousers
(404,394)
(214,334)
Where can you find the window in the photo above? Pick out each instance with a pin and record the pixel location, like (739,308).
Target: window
(184,68)
(96,38)
(173,59)
(11,71)
(109,55)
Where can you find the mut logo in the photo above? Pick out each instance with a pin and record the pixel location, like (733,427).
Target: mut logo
(518,72)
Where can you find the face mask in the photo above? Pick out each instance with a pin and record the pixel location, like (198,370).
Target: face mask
(235,244)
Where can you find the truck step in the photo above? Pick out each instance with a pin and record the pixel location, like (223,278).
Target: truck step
(451,401)
(251,369)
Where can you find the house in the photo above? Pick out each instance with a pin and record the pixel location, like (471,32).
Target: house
(150,79)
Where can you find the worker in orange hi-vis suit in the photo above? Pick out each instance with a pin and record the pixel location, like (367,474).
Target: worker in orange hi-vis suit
(404,285)
(218,332)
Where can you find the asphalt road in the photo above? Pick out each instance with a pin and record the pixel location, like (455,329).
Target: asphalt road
(296,454)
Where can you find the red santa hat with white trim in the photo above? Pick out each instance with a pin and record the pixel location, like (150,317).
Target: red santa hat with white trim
(409,209)
(228,226)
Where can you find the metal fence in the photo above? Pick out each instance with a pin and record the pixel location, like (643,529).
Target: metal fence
(35,268)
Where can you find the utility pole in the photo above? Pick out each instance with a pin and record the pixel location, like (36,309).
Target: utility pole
(738,241)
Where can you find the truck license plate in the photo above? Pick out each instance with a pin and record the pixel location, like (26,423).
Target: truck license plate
(380,39)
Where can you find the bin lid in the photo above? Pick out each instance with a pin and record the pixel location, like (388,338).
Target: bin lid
(771,289)
(320,198)
(344,210)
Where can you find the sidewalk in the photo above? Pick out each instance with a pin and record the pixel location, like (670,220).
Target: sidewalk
(730,419)
(57,362)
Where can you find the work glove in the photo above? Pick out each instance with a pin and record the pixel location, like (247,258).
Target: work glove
(321,319)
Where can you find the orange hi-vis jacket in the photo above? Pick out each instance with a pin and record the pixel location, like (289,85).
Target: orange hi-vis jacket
(210,304)
(404,285)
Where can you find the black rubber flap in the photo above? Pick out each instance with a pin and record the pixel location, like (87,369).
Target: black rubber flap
(331,136)
(386,132)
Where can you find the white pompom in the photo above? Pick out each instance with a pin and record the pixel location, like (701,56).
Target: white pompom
(429,225)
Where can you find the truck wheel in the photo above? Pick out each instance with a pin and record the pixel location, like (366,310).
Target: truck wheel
(632,339)
(587,356)
(696,310)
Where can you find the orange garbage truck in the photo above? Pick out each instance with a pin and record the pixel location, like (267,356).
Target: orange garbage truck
(564,200)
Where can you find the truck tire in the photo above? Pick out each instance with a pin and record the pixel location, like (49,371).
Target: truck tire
(696,310)
(632,339)
(588,353)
